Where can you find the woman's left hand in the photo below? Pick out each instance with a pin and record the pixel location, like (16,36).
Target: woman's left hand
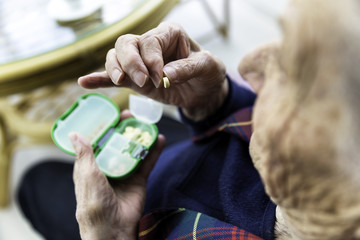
(109,209)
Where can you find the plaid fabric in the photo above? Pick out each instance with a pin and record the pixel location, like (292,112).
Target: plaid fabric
(239,124)
(182,224)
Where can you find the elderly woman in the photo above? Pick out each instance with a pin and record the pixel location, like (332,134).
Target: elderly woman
(301,181)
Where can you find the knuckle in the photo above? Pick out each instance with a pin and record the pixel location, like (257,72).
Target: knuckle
(208,57)
(84,152)
(212,62)
(110,60)
(163,24)
(80,214)
(124,39)
(110,54)
(171,26)
(150,39)
(81,154)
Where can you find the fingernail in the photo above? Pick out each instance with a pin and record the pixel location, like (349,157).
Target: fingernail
(115,76)
(156,83)
(140,78)
(156,80)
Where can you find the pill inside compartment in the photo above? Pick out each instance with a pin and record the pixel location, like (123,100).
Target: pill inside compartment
(115,159)
(143,133)
(126,148)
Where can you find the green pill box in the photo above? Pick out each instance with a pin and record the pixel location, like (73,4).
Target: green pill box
(119,146)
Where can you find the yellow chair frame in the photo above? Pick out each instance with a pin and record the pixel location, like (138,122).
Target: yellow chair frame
(53,68)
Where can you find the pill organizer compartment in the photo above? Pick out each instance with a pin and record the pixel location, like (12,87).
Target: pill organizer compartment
(123,153)
(146,135)
(90,116)
(97,118)
(116,158)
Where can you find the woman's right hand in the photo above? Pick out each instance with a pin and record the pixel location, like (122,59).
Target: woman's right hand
(139,62)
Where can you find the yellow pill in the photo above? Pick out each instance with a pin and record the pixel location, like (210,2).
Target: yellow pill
(145,138)
(166,82)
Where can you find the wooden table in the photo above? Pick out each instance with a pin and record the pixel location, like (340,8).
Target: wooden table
(39,52)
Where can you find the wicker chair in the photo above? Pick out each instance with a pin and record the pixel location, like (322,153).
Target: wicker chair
(35,91)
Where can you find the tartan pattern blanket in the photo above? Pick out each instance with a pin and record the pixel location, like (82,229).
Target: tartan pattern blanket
(183,224)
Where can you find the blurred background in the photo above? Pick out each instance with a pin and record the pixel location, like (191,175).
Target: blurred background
(30,60)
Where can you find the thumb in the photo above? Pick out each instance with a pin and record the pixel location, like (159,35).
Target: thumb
(83,149)
(95,80)
(85,170)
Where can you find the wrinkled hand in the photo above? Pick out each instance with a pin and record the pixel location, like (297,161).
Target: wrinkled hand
(108,209)
(139,62)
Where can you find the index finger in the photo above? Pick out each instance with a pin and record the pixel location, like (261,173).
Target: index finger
(151,52)
(128,55)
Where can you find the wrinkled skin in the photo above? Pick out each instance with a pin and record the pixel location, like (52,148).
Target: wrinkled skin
(198,85)
(138,62)
(306,120)
(306,134)
(102,205)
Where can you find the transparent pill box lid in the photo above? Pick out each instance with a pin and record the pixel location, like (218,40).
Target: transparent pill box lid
(119,146)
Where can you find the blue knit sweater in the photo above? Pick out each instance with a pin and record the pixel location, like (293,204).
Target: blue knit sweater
(214,176)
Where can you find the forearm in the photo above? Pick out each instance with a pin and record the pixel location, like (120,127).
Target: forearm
(237,98)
